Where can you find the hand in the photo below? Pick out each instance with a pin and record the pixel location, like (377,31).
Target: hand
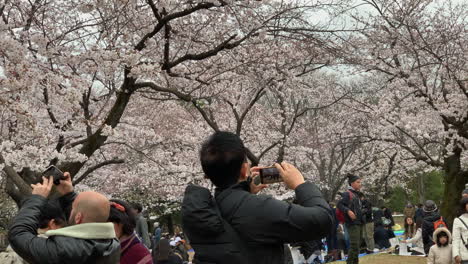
(65,185)
(254,189)
(458,259)
(43,189)
(351,215)
(292,177)
(403,241)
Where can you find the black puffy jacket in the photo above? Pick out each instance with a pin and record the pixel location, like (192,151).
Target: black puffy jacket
(56,249)
(263,223)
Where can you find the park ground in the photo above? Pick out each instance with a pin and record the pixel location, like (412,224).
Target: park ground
(389,259)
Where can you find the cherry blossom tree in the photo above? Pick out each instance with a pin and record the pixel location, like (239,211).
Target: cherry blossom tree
(417,51)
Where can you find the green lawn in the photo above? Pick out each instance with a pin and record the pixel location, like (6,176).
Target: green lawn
(388,259)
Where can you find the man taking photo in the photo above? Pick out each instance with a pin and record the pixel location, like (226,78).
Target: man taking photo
(257,226)
(87,239)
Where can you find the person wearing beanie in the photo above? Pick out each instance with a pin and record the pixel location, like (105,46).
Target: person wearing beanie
(431,215)
(351,205)
(465,192)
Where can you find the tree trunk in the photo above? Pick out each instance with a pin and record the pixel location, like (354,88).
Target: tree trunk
(420,188)
(455,179)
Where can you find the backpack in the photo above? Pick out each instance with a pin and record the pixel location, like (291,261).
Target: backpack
(224,247)
(439,223)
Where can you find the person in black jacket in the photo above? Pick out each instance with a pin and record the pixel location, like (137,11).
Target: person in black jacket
(431,215)
(87,239)
(368,227)
(351,206)
(382,235)
(239,226)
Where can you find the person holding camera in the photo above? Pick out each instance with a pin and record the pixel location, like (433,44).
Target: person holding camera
(238,226)
(460,234)
(87,239)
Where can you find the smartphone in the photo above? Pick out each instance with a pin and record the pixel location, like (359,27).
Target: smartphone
(270,175)
(54,172)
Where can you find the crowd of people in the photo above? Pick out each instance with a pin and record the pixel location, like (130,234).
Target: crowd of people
(233,225)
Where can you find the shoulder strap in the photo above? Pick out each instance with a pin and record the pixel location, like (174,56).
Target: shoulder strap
(236,239)
(459,218)
(350,195)
(461,235)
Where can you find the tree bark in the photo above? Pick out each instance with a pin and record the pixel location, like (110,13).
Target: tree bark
(455,179)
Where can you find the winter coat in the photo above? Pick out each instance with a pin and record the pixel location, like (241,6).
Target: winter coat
(428,229)
(382,237)
(262,223)
(440,255)
(367,211)
(388,214)
(416,240)
(142,230)
(354,204)
(419,214)
(459,231)
(409,212)
(134,252)
(83,243)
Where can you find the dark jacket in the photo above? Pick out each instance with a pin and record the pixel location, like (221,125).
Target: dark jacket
(428,229)
(263,223)
(58,249)
(419,214)
(382,236)
(388,214)
(367,211)
(354,204)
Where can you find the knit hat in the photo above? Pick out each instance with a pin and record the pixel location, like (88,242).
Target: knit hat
(352,178)
(466,189)
(429,206)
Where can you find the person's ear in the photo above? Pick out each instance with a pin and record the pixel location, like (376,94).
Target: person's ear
(244,173)
(79,218)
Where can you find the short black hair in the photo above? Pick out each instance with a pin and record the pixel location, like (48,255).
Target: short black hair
(221,157)
(52,211)
(463,203)
(137,206)
(126,217)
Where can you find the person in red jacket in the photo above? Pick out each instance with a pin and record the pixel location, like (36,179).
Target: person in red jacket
(132,250)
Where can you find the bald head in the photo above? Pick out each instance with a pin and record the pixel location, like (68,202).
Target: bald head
(90,207)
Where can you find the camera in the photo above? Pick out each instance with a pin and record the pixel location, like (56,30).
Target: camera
(268,175)
(54,172)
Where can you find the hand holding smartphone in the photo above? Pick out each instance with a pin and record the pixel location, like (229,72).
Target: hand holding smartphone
(55,173)
(286,172)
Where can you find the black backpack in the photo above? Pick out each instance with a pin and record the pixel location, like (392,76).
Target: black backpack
(224,246)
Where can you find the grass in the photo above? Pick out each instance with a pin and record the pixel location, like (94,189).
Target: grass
(389,259)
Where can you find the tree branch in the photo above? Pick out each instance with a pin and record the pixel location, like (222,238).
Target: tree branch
(95,167)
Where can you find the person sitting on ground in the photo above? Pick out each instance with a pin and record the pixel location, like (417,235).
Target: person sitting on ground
(382,235)
(415,241)
(163,253)
(410,227)
(51,218)
(132,249)
(441,252)
(87,239)
(460,234)
(431,215)
(238,226)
